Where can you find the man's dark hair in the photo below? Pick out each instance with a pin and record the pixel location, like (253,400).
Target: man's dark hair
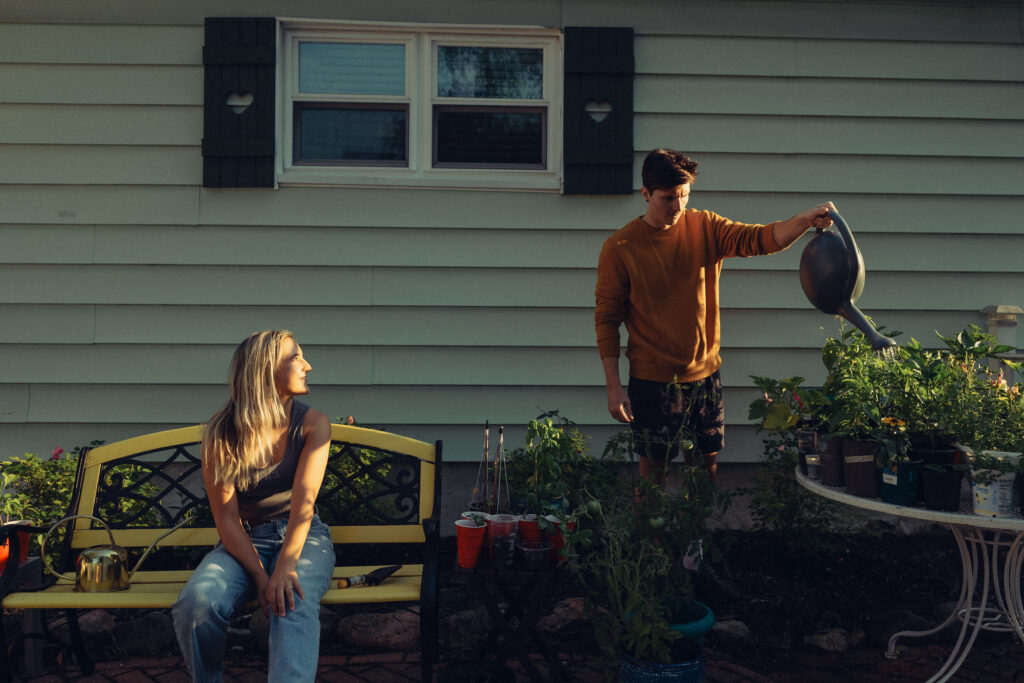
(665,169)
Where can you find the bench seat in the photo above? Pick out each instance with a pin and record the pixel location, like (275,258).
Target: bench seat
(156,590)
(381,491)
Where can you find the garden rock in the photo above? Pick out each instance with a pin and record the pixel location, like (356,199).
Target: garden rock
(398,630)
(97,627)
(465,630)
(564,613)
(147,636)
(836,640)
(731,628)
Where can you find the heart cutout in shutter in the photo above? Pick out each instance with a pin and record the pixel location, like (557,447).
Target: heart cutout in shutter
(598,110)
(239,101)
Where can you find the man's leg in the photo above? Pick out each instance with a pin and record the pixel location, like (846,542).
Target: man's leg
(652,428)
(653,470)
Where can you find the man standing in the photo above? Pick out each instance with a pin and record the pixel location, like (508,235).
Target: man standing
(659,275)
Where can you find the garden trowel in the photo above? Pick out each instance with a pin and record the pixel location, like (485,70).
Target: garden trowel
(371,579)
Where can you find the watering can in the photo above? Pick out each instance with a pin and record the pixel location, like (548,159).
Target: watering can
(101,568)
(832,276)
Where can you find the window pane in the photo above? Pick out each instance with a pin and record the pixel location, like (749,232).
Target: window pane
(488,137)
(505,72)
(376,135)
(352,68)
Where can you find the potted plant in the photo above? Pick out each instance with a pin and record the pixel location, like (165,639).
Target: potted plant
(543,473)
(470,533)
(987,418)
(856,381)
(993,475)
(994,444)
(630,552)
(899,483)
(14,508)
(785,404)
(36,492)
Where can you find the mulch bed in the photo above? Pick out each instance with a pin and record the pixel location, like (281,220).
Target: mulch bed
(857,585)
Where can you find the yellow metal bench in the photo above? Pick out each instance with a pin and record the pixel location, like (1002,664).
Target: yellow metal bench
(380,488)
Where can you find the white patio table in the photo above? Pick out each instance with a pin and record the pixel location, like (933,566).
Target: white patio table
(991,548)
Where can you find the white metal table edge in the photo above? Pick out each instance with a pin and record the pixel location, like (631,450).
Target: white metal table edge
(969,533)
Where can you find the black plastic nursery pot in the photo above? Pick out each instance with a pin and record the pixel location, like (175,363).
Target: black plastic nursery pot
(859,468)
(807,443)
(934,451)
(831,468)
(941,488)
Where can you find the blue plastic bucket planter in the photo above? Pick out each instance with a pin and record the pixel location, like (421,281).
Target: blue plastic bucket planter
(633,670)
(691,618)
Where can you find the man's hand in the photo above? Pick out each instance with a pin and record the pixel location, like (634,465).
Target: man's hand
(618,404)
(788,231)
(819,217)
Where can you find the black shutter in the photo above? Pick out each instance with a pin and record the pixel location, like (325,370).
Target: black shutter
(599,71)
(239,58)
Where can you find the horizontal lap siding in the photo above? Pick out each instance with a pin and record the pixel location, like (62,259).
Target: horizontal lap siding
(124,285)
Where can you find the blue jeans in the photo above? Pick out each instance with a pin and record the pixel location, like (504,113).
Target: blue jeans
(219,585)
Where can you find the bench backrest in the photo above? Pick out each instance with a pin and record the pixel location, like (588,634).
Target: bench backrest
(379,488)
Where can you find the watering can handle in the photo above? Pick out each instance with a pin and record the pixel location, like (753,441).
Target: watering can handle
(854,260)
(42,544)
(153,544)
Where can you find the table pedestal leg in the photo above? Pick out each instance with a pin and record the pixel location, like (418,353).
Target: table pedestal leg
(1006,615)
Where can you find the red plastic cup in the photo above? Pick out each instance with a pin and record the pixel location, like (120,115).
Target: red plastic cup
(528,528)
(469,539)
(556,538)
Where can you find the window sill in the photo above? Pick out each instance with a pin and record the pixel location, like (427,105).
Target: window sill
(477,179)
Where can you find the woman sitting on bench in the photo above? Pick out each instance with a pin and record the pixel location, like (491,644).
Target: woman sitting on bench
(264,455)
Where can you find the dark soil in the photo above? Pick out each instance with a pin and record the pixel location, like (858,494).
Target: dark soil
(870,583)
(874,584)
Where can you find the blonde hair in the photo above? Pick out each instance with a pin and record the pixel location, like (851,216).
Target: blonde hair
(238,439)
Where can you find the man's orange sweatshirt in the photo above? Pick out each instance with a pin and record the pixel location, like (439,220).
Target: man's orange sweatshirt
(663,284)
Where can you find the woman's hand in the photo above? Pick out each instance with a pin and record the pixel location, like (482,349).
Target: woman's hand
(278,595)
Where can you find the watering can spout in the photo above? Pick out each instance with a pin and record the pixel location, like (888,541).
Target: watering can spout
(832,277)
(101,568)
(153,545)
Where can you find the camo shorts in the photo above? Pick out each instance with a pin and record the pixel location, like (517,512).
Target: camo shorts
(666,415)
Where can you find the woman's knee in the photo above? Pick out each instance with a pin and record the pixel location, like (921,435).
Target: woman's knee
(202,599)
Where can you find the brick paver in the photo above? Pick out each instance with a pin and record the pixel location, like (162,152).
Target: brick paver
(991,661)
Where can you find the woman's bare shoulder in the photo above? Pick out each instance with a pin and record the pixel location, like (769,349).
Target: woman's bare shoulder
(315,421)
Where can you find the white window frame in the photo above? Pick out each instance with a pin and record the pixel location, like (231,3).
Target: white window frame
(421,42)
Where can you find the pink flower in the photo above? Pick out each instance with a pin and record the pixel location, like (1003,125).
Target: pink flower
(57,450)
(350,420)
(767,398)
(781,448)
(798,401)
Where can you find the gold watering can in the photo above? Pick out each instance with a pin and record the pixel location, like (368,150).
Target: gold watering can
(101,568)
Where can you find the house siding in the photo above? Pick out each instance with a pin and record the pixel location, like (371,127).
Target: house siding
(124,285)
